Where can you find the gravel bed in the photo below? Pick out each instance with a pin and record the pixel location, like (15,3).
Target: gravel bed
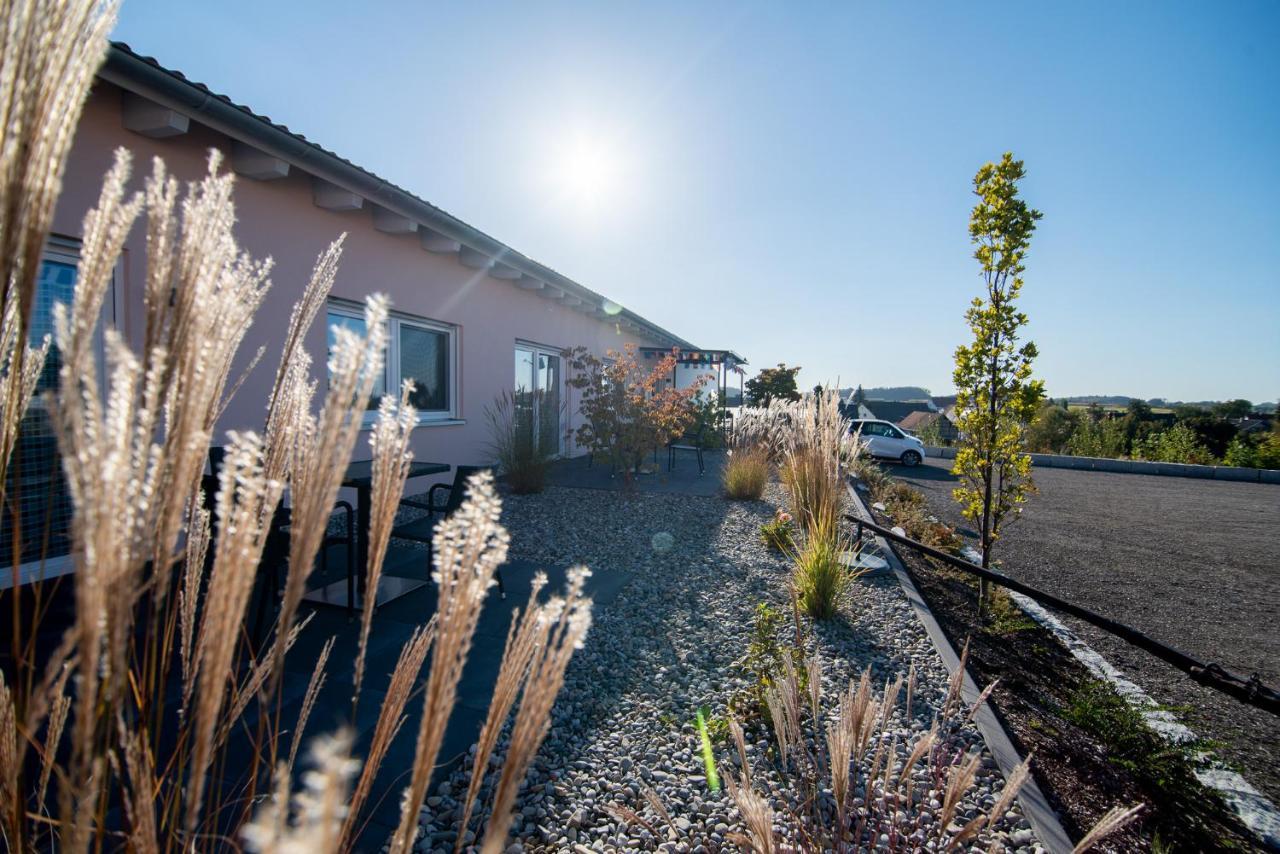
(665,646)
(1190,562)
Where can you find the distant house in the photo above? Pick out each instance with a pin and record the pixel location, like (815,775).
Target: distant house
(918,421)
(1253,424)
(895,410)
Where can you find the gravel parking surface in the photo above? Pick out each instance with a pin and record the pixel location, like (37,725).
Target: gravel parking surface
(1190,562)
(667,644)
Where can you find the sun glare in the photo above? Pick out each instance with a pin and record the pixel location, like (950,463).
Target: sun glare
(588,172)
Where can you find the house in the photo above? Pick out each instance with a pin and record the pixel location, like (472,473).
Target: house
(472,317)
(915,422)
(1255,423)
(895,410)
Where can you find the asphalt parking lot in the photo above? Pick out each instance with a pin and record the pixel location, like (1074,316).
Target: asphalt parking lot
(1191,562)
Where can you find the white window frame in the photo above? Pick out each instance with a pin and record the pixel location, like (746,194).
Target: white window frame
(391,361)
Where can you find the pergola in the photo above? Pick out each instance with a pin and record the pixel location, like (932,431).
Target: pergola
(719,361)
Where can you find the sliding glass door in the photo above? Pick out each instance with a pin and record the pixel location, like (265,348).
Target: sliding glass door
(537,395)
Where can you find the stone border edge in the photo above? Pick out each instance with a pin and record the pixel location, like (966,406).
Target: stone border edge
(1035,806)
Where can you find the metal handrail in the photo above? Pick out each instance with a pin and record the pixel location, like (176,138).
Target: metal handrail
(1210,674)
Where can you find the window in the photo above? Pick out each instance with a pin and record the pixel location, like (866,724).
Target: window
(418,349)
(36,488)
(537,394)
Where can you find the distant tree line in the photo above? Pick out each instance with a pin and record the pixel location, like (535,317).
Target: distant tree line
(1186,434)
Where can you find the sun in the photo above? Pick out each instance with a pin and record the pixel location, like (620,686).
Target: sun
(589,171)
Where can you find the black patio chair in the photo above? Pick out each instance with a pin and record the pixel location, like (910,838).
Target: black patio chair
(689,442)
(275,551)
(422,529)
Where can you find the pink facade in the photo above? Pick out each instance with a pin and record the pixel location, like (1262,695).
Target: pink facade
(281,218)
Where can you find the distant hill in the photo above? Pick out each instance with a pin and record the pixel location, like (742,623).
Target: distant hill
(1120,400)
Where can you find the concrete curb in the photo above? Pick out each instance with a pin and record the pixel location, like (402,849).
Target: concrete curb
(1061,461)
(1035,806)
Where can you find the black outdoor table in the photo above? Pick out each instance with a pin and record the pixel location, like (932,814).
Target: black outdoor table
(359,476)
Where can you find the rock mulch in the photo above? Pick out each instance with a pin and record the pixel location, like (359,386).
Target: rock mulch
(667,645)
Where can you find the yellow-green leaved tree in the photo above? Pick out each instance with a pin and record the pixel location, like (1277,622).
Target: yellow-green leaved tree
(996,396)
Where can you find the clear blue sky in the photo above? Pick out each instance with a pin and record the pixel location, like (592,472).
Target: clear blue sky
(793,180)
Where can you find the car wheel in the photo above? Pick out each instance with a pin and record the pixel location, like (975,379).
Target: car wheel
(910,459)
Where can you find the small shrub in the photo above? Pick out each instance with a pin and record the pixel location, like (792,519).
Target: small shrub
(820,578)
(777,532)
(1178,444)
(865,469)
(764,657)
(746,472)
(513,442)
(1261,453)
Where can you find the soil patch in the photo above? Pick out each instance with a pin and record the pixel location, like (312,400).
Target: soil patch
(1089,753)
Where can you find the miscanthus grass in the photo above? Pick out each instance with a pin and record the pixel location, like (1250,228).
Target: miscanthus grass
(122,735)
(853,786)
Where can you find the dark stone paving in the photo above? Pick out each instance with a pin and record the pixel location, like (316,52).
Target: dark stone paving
(682,478)
(1190,562)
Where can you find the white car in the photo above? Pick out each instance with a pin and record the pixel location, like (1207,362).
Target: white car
(888,441)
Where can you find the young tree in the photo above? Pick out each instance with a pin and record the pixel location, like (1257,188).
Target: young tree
(773,384)
(996,397)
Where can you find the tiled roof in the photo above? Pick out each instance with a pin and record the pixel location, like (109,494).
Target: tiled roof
(917,420)
(895,410)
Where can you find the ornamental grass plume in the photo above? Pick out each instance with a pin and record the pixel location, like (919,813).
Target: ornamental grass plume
(746,473)
(123,733)
(852,785)
(49,50)
(468,547)
(525,636)
(566,619)
(389,442)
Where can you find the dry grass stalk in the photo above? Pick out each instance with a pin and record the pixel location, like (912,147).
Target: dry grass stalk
(319,808)
(10,790)
(655,803)
(242,493)
(198,539)
(740,742)
(959,780)
(568,619)
(293,390)
(746,473)
(468,548)
(308,702)
(251,686)
(140,794)
(815,452)
(49,50)
(528,632)
(756,815)
(53,737)
(1116,818)
(321,450)
(389,442)
(391,716)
